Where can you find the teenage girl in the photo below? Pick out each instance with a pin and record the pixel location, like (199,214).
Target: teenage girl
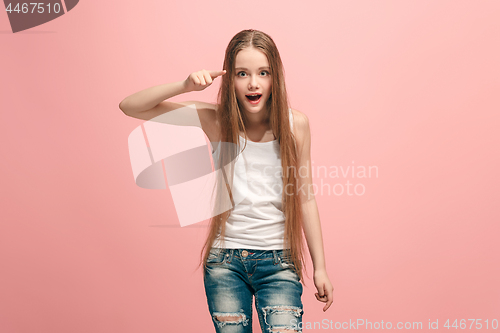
(255,248)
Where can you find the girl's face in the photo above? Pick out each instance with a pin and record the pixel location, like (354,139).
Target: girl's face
(253,76)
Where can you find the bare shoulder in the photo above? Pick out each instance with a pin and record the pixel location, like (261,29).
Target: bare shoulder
(300,126)
(208,117)
(201,105)
(299,117)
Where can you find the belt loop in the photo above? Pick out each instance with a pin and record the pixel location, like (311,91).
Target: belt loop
(275,257)
(231,251)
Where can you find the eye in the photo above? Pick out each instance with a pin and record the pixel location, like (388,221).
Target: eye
(266,72)
(240,73)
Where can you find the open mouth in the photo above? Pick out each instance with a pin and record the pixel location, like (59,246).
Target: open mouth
(254,98)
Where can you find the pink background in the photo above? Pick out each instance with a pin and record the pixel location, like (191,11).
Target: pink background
(410,87)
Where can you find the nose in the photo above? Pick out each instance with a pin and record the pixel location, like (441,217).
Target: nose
(254,82)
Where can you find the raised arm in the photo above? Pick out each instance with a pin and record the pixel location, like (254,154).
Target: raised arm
(151,102)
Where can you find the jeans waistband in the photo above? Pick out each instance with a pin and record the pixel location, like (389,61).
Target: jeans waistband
(250,253)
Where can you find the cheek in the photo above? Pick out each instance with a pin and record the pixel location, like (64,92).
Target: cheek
(238,90)
(269,86)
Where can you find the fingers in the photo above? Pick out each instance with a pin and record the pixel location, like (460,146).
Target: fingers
(196,79)
(321,290)
(215,74)
(330,301)
(201,79)
(206,76)
(327,297)
(323,299)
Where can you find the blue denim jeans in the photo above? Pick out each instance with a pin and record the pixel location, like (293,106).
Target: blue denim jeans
(234,276)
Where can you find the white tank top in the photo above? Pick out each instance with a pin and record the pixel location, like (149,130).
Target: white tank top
(257,222)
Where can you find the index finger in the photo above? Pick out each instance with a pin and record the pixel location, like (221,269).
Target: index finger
(329,302)
(215,74)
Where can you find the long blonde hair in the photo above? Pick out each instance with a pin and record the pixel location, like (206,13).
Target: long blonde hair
(231,123)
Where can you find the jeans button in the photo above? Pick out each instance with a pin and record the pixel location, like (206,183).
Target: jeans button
(244,253)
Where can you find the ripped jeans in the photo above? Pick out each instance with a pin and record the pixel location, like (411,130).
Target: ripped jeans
(234,276)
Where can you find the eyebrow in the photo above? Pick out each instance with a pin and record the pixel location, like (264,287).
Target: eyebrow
(247,68)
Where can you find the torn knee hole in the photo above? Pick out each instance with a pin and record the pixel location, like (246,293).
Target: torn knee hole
(233,318)
(284,309)
(279,310)
(229,317)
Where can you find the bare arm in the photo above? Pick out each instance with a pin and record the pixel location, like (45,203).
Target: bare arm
(149,98)
(310,214)
(151,102)
(312,225)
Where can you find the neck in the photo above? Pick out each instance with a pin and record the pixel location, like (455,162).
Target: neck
(255,120)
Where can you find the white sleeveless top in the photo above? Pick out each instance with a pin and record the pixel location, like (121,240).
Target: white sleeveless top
(258,221)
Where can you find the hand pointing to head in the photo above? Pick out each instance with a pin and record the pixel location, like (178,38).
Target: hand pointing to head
(200,80)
